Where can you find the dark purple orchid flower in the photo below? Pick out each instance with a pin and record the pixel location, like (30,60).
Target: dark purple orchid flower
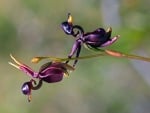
(50,72)
(92,40)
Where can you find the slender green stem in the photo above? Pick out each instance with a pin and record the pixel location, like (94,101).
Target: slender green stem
(123,55)
(103,53)
(37,59)
(136,57)
(83,57)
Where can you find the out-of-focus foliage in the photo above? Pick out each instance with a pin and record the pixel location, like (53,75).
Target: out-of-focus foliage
(32,27)
(8,30)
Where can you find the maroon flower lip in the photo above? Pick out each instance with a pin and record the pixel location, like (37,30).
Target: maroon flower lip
(50,72)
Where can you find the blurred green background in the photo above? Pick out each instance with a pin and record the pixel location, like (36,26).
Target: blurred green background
(101,85)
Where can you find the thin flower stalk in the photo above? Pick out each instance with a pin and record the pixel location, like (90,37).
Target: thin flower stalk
(106,52)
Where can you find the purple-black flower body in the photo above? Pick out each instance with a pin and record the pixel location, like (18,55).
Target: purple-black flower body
(52,72)
(96,38)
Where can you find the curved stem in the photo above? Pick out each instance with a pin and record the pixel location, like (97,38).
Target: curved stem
(80,30)
(38,86)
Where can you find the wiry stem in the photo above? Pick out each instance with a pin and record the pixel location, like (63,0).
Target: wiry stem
(123,55)
(55,59)
(103,53)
